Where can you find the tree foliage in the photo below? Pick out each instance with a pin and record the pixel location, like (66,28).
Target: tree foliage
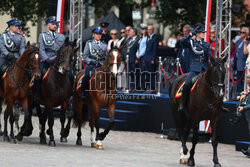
(24,10)
(176,13)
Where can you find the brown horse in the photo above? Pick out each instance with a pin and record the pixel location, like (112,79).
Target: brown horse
(18,80)
(101,94)
(56,90)
(204,103)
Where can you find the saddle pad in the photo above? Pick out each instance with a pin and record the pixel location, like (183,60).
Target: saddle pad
(46,74)
(32,81)
(79,83)
(5,73)
(179,91)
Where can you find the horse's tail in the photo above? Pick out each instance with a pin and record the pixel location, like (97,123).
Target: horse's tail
(80,121)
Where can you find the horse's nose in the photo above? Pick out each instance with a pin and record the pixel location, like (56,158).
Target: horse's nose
(221,92)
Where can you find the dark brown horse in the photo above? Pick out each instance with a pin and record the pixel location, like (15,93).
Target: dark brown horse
(204,103)
(56,90)
(18,80)
(101,94)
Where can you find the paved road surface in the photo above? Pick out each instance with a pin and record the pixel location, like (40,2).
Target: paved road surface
(126,149)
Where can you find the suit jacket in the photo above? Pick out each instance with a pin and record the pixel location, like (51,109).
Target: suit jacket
(49,45)
(132,48)
(151,48)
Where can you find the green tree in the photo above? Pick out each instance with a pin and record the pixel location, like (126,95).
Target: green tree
(176,13)
(24,10)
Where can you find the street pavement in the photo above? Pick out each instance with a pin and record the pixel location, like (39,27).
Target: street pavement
(128,149)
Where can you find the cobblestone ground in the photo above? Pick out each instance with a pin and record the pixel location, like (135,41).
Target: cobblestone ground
(120,149)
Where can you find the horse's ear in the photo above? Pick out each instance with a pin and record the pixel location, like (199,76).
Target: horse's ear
(224,59)
(112,44)
(212,60)
(74,43)
(28,44)
(66,40)
(38,45)
(76,49)
(121,47)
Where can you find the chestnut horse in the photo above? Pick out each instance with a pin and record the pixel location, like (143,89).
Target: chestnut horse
(17,82)
(56,90)
(101,94)
(205,102)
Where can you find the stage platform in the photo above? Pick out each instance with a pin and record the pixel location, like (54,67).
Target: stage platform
(148,113)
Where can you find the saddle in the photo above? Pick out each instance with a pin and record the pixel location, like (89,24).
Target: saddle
(193,82)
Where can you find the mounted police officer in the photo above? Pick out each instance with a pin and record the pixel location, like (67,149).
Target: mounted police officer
(94,55)
(199,52)
(105,32)
(50,42)
(12,44)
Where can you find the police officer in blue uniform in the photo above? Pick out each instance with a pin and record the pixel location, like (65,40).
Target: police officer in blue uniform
(94,55)
(199,52)
(12,44)
(105,32)
(50,42)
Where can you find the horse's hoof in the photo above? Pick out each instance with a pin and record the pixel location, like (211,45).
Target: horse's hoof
(99,147)
(79,142)
(28,131)
(63,140)
(190,162)
(1,133)
(183,161)
(19,137)
(12,140)
(52,143)
(6,138)
(65,132)
(217,165)
(43,141)
(93,145)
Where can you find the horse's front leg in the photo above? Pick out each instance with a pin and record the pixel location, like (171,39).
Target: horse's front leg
(1,103)
(194,142)
(12,120)
(6,116)
(27,128)
(111,111)
(62,120)
(51,124)
(215,145)
(184,131)
(42,121)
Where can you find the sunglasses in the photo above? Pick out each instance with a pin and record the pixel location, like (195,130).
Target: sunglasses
(122,32)
(113,33)
(242,32)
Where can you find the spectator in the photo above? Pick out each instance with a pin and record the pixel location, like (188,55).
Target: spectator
(213,41)
(115,40)
(183,51)
(240,58)
(105,32)
(131,51)
(148,61)
(162,42)
(172,41)
(121,77)
(246,108)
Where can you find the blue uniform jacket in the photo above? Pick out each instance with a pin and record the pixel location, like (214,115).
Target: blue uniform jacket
(198,50)
(89,55)
(151,48)
(11,43)
(132,49)
(49,45)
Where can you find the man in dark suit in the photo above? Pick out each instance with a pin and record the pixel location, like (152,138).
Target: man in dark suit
(132,47)
(147,62)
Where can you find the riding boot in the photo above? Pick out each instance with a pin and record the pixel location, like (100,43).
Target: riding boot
(36,90)
(184,97)
(83,88)
(246,152)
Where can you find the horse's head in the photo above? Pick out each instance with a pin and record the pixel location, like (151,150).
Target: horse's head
(65,56)
(34,59)
(114,59)
(216,77)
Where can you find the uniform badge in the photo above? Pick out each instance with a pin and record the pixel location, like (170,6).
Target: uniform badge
(48,41)
(8,41)
(194,47)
